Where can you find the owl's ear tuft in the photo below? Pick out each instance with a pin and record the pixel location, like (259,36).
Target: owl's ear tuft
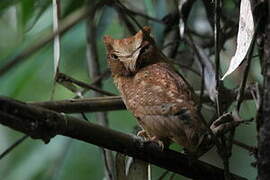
(108,40)
(147,29)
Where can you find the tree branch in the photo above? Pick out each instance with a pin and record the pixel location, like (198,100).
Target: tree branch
(96,104)
(108,103)
(40,123)
(263,121)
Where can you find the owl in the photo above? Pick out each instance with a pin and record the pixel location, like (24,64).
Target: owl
(160,98)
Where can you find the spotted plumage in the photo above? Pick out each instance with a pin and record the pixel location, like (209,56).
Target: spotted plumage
(160,99)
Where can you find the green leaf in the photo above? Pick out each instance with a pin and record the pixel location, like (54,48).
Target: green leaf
(39,7)
(104,22)
(6,3)
(27,10)
(72,6)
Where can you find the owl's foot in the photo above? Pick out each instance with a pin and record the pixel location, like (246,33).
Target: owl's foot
(158,141)
(149,139)
(143,134)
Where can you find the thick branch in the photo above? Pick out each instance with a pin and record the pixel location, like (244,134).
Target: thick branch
(44,124)
(96,104)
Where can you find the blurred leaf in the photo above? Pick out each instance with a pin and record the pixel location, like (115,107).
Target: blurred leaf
(56,43)
(6,3)
(41,156)
(184,8)
(40,7)
(138,169)
(158,28)
(128,168)
(27,10)
(72,6)
(107,15)
(120,163)
(244,37)
(209,72)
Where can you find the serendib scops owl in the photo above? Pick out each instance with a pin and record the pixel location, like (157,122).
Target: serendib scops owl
(160,98)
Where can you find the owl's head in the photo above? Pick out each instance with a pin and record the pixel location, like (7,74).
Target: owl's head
(126,56)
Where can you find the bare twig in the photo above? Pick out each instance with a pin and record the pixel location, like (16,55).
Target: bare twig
(217,50)
(163,175)
(14,145)
(202,89)
(63,77)
(224,152)
(135,13)
(250,149)
(244,80)
(120,5)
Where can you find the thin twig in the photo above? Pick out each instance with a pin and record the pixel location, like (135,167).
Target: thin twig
(13,146)
(63,77)
(145,16)
(250,149)
(163,175)
(217,49)
(120,5)
(65,25)
(224,152)
(101,77)
(245,76)
(202,88)
(183,66)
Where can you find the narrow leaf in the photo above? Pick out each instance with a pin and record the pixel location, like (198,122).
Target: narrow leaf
(138,169)
(184,8)
(244,37)
(56,44)
(120,165)
(209,73)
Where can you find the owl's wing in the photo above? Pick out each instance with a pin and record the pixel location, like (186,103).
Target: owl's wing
(164,105)
(163,90)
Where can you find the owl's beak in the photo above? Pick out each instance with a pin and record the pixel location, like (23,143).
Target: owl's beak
(139,56)
(132,65)
(130,61)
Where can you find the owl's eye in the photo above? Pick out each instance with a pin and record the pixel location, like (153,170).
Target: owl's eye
(114,57)
(145,49)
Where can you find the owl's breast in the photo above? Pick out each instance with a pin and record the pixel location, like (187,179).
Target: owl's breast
(163,104)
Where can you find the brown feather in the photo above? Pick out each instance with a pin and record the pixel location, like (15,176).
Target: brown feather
(158,97)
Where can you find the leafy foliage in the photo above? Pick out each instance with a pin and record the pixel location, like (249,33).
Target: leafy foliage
(24,22)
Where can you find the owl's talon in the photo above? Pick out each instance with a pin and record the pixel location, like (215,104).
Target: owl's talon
(142,133)
(159,142)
